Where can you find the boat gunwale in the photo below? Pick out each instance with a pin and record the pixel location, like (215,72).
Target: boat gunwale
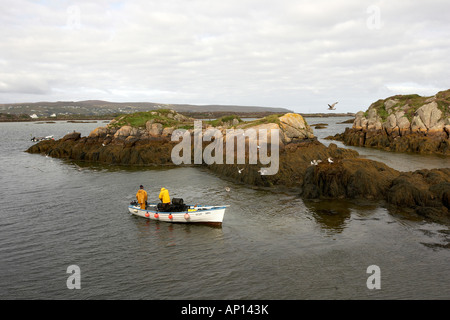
(179,212)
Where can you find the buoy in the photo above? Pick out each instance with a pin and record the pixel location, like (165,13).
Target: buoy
(186,216)
(156,216)
(170,216)
(147,215)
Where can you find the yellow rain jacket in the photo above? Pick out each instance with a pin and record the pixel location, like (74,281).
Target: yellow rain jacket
(164,195)
(141,196)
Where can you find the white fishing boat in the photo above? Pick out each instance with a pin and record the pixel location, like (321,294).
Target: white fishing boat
(185,214)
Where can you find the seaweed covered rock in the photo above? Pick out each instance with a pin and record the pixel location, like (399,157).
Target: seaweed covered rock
(145,138)
(348,178)
(426,192)
(294,160)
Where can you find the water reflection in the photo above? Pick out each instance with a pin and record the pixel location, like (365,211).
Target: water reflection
(173,234)
(332,216)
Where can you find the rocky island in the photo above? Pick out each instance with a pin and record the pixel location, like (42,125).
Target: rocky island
(403,123)
(145,138)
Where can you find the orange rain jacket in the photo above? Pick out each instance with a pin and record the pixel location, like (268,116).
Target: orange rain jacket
(141,196)
(164,195)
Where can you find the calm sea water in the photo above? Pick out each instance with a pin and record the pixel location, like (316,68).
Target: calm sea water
(271,245)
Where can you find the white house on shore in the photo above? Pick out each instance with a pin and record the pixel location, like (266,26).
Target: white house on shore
(34,116)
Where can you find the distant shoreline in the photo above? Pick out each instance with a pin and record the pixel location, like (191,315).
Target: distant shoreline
(328,115)
(49,120)
(195,115)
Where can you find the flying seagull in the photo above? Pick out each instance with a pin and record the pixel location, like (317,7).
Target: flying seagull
(330,160)
(332,107)
(240,170)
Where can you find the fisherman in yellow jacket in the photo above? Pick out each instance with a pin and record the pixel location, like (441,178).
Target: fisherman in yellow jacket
(141,196)
(164,197)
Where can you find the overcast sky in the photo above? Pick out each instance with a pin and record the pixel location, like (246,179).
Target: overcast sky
(299,55)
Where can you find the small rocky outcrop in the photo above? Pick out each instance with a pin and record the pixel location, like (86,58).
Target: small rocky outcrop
(294,128)
(403,123)
(72,136)
(348,179)
(424,192)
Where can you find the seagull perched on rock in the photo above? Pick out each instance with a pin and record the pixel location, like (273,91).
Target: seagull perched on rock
(227,189)
(262,171)
(332,107)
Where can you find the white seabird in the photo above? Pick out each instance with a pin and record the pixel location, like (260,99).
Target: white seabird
(332,107)
(263,171)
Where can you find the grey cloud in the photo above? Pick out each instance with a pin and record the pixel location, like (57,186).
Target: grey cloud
(23,84)
(294,54)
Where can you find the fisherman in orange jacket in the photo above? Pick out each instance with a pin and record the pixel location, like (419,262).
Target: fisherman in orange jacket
(141,196)
(165,198)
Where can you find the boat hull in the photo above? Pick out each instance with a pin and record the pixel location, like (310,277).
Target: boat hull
(201,214)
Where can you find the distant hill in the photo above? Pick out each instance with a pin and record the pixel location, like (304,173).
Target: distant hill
(101,108)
